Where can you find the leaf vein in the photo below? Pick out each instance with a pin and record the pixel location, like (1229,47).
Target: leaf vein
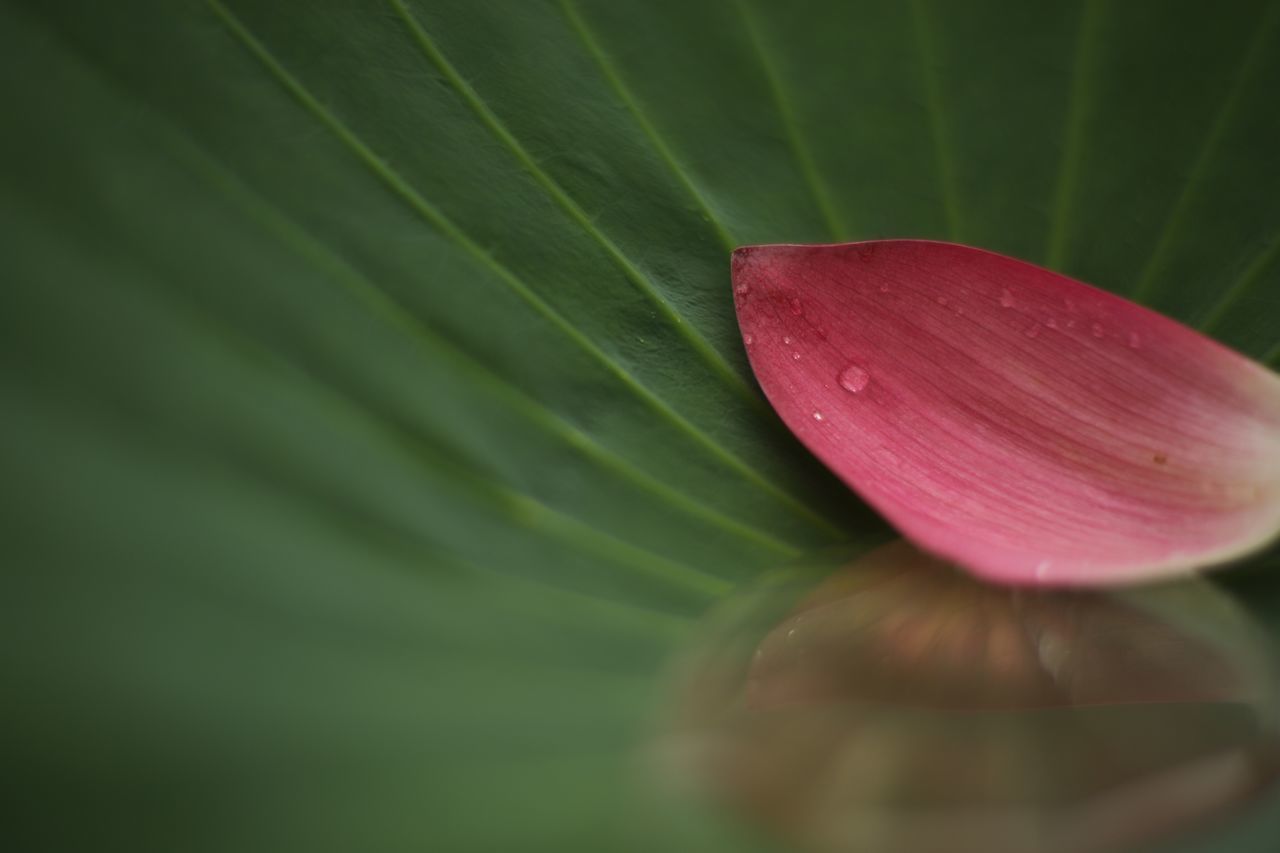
(1173,223)
(937,120)
(380,301)
(489,118)
(1252,273)
(1077,109)
(791,126)
(628,99)
(449,229)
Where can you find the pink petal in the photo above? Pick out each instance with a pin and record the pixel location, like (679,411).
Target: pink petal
(1027,426)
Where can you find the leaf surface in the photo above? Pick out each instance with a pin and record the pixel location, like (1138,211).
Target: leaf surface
(375,416)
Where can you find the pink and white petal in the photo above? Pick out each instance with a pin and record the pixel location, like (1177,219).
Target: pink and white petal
(1025,425)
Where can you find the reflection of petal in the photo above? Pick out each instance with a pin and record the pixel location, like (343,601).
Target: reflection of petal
(902,706)
(1112,444)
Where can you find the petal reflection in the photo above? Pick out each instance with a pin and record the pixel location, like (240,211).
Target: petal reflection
(903,706)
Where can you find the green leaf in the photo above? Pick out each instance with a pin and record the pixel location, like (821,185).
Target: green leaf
(376,424)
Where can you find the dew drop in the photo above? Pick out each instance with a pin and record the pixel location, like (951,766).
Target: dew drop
(741,288)
(748,339)
(1096,329)
(1135,342)
(817,416)
(787,339)
(795,356)
(854,378)
(1006,298)
(797,307)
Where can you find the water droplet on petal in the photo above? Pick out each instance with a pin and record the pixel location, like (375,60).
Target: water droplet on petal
(854,378)
(795,356)
(748,339)
(1097,330)
(741,288)
(1135,342)
(786,339)
(817,416)
(1006,298)
(797,307)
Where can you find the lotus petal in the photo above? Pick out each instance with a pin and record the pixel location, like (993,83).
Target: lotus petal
(1030,427)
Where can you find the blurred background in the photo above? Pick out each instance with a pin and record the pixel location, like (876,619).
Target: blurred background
(377,435)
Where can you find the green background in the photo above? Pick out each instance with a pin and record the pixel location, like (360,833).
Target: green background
(375,423)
